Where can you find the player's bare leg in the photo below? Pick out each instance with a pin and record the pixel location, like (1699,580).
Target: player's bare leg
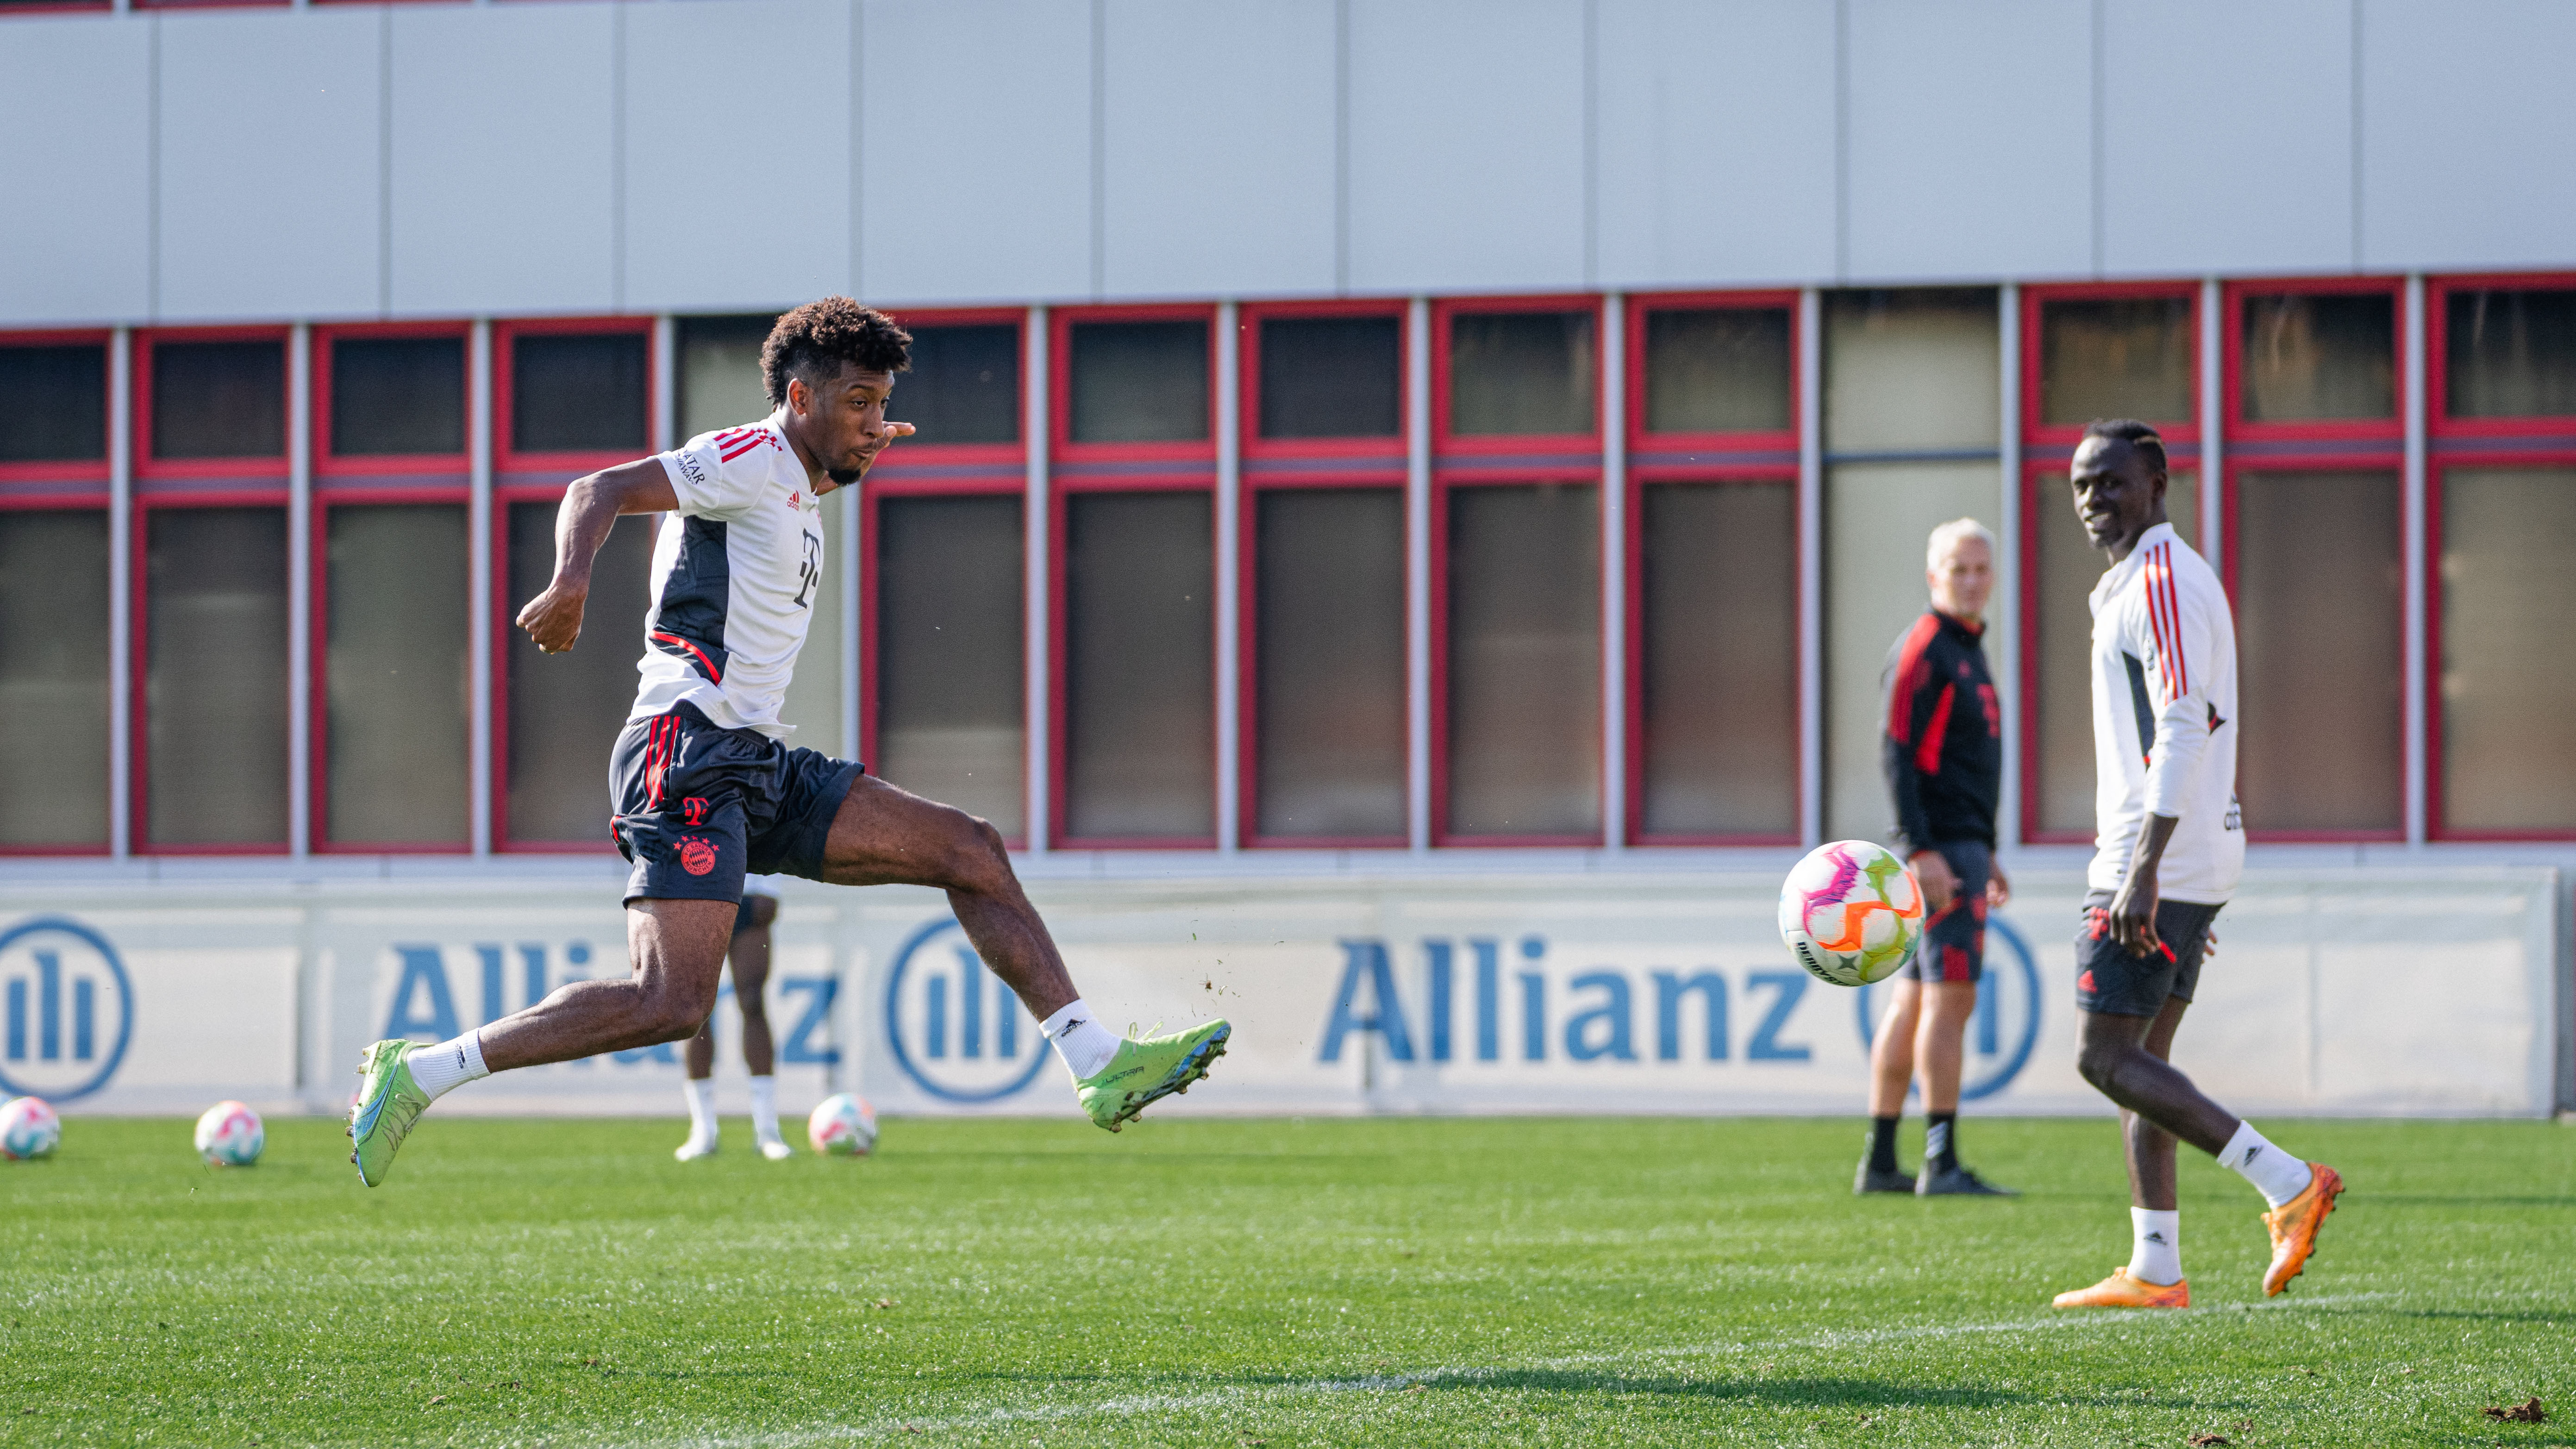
(1947,1005)
(1891,1072)
(748,957)
(2112,1053)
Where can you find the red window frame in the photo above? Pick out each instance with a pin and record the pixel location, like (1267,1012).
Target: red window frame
(1760,456)
(1297,463)
(62,7)
(1174,467)
(344,482)
(2369,444)
(79,483)
(1505,460)
(2518,442)
(918,469)
(2047,450)
(541,477)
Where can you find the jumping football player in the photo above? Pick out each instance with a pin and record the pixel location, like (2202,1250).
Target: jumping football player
(704,790)
(1944,753)
(2170,849)
(748,955)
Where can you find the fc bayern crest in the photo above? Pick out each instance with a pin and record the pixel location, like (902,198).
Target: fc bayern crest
(66,1009)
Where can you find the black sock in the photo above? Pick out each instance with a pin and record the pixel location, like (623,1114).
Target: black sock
(1941,1141)
(1882,1144)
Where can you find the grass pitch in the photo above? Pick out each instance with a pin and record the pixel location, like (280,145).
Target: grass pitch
(1261,1283)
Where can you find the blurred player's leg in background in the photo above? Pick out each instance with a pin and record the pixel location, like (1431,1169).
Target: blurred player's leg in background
(749,956)
(1891,1072)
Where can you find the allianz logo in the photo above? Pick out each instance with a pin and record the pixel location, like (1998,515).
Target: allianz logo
(66,1009)
(432,982)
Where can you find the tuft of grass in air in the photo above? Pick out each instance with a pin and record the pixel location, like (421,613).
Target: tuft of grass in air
(1277,1283)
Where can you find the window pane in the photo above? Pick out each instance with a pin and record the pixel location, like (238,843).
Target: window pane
(397,395)
(952,673)
(219,400)
(2069,567)
(1520,372)
(1721,659)
(719,378)
(1140,382)
(396,667)
(1723,370)
(579,393)
(2508,657)
(2317,606)
(53,404)
(964,386)
(1332,377)
(566,709)
(2314,357)
(215,680)
(1913,369)
(1329,648)
(1525,660)
(2512,354)
(53,674)
(1140,631)
(2128,357)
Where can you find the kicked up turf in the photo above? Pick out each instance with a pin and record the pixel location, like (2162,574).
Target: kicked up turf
(1236,1283)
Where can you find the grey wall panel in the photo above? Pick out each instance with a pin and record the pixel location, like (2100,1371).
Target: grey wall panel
(737,194)
(976,173)
(2240,160)
(1219,148)
(1466,144)
(1716,142)
(504,129)
(2466,153)
(271,177)
(75,161)
(1970,139)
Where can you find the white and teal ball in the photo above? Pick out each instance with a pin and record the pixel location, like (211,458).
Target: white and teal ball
(28,1130)
(1851,913)
(844,1126)
(230,1135)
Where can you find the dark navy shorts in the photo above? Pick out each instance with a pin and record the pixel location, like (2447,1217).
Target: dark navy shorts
(2110,980)
(698,806)
(1954,942)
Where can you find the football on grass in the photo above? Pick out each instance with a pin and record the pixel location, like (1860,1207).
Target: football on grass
(28,1129)
(230,1135)
(1851,913)
(844,1126)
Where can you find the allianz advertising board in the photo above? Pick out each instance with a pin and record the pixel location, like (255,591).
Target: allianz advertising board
(2424,992)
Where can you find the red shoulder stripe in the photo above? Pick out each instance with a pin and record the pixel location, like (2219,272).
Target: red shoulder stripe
(1909,679)
(2173,611)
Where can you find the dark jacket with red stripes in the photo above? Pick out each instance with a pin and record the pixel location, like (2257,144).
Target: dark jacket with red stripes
(1944,744)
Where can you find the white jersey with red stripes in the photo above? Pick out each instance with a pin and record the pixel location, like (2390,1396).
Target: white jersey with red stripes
(737,569)
(2164,720)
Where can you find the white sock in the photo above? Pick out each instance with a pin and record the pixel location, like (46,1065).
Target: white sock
(2274,1173)
(1083,1042)
(443,1068)
(764,1109)
(702,1110)
(2155,1246)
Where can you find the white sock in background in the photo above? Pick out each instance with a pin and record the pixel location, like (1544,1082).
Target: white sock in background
(764,1109)
(702,1113)
(443,1068)
(2155,1246)
(1083,1042)
(2274,1173)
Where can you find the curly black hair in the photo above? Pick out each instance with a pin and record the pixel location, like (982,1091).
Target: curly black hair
(818,339)
(2136,434)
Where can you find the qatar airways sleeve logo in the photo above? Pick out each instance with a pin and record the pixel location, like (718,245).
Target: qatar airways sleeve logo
(690,466)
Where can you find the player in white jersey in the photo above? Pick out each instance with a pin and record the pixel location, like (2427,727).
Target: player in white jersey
(705,790)
(2170,846)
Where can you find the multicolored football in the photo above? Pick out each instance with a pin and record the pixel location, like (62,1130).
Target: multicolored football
(230,1135)
(28,1130)
(843,1126)
(1851,913)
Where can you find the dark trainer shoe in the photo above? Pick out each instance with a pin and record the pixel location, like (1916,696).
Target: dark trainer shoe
(1956,1182)
(1869,1181)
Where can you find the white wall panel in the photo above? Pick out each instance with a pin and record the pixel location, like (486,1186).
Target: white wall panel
(1970,140)
(1466,145)
(2240,162)
(1716,142)
(736,198)
(75,163)
(503,138)
(271,178)
(976,176)
(2466,154)
(1219,149)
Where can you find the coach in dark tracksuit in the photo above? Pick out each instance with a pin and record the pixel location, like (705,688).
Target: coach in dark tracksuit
(1943,748)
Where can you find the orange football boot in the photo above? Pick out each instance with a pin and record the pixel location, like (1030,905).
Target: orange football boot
(2122,1291)
(2294,1227)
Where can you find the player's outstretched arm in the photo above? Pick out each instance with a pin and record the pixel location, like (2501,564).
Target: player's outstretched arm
(591,507)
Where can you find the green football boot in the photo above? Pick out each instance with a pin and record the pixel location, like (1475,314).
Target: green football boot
(1148,1069)
(389,1102)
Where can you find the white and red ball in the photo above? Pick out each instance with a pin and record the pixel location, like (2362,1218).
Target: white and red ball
(28,1130)
(230,1135)
(1851,913)
(843,1126)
